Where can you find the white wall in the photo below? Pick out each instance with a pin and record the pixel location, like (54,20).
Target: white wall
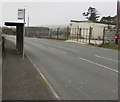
(97,28)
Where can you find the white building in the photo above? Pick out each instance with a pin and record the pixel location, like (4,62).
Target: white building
(97,28)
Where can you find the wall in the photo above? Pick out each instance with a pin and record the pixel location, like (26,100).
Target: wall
(109,36)
(97,31)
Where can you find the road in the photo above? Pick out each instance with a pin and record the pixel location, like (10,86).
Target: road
(76,72)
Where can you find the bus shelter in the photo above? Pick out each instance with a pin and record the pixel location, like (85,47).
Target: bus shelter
(19,35)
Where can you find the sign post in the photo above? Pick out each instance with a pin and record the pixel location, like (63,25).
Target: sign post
(21,16)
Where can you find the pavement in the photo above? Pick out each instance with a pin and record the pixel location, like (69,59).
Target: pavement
(0,71)
(20,79)
(75,71)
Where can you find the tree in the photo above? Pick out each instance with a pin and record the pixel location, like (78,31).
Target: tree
(109,19)
(8,31)
(91,14)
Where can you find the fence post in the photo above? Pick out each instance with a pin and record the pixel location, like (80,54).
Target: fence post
(103,36)
(51,33)
(80,34)
(68,32)
(72,32)
(57,32)
(83,34)
(90,33)
(77,32)
(86,34)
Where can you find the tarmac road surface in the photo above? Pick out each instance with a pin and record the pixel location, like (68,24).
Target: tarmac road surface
(76,71)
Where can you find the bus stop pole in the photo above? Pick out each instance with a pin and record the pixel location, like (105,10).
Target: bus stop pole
(24,36)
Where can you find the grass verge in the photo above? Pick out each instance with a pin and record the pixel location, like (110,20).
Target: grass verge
(111,46)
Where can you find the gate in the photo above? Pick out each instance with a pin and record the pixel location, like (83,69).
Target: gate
(82,35)
(87,35)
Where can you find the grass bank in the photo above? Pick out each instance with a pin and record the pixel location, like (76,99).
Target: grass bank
(111,46)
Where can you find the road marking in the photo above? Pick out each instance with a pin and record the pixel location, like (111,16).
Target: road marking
(67,48)
(73,41)
(106,58)
(57,50)
(49,85)
(99,65)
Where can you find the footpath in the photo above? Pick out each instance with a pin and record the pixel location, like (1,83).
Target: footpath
(0,70)
(20,80)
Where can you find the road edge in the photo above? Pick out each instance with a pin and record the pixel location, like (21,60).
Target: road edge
(49,85)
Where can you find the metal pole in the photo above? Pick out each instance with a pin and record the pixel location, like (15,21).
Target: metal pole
(28,27)
(90,32)
(118,19)
(118,14)
(28,23)
(80,34)
(57,32)
(23,35)
(103,36)
(77,32)
(68,31)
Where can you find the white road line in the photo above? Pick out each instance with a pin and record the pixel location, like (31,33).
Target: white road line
(99,64)
(106,58)
(57,50)
(49,85)
(67,48)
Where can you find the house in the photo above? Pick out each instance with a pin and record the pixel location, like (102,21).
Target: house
(97,28)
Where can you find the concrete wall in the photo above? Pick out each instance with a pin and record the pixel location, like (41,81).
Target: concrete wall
(109,36)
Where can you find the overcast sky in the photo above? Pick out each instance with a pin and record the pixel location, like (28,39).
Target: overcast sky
(54,13)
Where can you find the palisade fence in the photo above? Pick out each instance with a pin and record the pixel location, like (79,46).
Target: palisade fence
(86,35)
(59,33)
(52,33)
(83,35)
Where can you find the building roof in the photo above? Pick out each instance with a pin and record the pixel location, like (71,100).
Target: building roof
(77,21)
(40,28)
(13,23)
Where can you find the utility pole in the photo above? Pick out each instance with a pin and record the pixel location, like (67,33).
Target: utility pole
(24,35)
(118,22)
(28,23)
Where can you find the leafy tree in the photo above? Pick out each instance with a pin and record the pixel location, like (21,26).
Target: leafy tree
(91,14)
(7,30)
(109,20)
